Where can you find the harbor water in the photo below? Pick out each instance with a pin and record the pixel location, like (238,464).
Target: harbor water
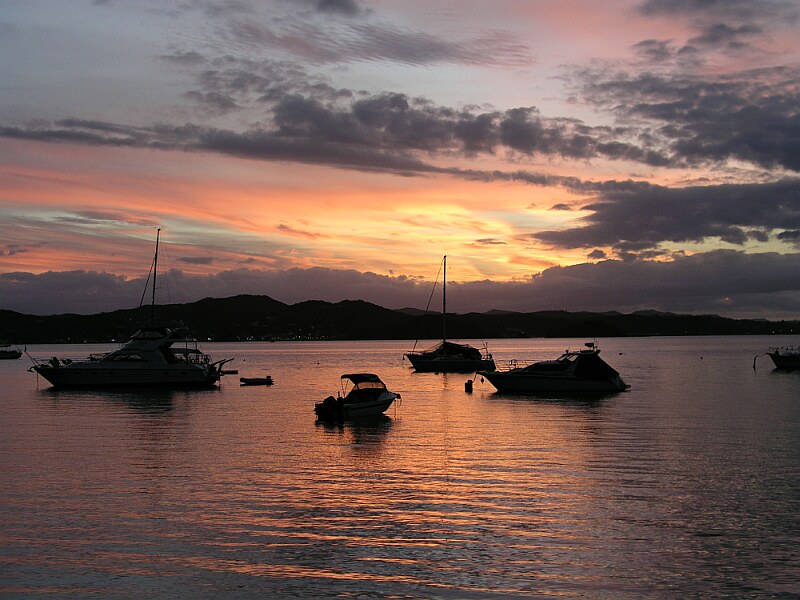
(685,486)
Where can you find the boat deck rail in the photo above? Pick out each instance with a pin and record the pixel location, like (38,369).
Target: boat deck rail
(510,365)
(55,361)
(191,358)
(786,349)
(561,363)
(178,358)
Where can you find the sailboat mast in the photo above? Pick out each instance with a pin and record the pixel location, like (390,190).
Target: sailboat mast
(155,274)
(444,300)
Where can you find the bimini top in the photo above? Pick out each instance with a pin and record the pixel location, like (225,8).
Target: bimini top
(357,378)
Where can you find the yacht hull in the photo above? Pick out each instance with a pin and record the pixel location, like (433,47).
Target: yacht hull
(786,360)
(448,364)
(521,383)
(80,376)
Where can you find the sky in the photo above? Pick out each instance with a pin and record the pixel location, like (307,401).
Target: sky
(642,156)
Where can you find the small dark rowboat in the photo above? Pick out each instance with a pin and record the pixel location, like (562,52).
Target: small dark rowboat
(256,380)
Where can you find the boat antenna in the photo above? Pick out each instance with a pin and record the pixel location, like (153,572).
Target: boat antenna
(444,299)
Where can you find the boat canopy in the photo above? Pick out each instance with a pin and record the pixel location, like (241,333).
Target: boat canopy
(591,366)
(561,364)
(357,378)
(151,333)
(178,334)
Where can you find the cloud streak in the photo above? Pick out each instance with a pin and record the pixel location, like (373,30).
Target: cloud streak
(665,121)
(752,117)
(645,216)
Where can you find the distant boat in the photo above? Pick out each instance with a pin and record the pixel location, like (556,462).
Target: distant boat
(256,380)
(573,371)
(785,357)
(153,356)
(449,357)
(9,353)
(367,396)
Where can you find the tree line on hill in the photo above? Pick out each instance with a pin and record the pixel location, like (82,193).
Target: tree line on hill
(247,317)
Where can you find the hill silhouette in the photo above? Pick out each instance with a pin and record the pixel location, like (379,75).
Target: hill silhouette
(248,317)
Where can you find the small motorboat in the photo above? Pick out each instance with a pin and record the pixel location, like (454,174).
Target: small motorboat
(785,357)
(367,396)
(256,380)
(573,371)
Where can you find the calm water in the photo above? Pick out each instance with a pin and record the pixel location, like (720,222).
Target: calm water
(688,485)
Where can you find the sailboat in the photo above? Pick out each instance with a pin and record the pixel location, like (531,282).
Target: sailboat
(450,357)
(153,356)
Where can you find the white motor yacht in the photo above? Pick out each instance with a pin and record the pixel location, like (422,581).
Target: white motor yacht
(154,356)
(573,371)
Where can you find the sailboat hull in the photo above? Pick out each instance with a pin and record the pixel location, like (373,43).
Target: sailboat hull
(448,364)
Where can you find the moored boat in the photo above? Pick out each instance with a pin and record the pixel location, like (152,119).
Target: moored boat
(449,357)
(367,396)
(256,380)
(573,371)
(785,357)
(9,353)
(154,356)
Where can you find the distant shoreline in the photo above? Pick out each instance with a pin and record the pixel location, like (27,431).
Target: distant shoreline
(261,318)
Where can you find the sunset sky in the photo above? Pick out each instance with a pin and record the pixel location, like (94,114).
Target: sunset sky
(624,155)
